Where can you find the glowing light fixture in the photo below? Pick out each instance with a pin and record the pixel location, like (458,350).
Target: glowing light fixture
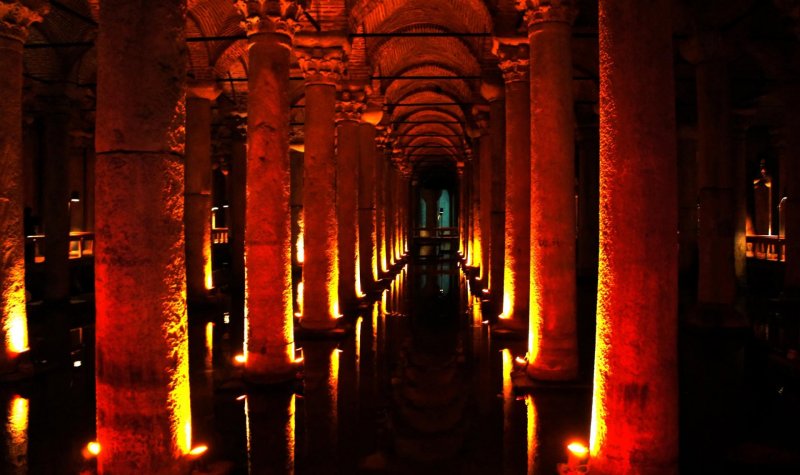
(577,459)
(240,359)
(198,451)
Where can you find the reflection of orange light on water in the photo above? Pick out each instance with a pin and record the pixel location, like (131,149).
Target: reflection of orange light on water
(290,431)
(359,323)
(333,386)
(16,327)
(508,290)
(508,387)
(533,442)
(207,272)
(17,432)
(209,342)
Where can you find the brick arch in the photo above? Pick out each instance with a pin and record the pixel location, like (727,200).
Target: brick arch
(396,55)
(378,15)
(457,88)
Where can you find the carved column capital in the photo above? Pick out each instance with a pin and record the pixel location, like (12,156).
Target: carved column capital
(321,65)
(270,16)
(350,105)
(17,16)
(547,11)
(513,60)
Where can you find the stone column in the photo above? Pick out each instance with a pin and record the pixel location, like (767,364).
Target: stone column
(475,222)
(553,346)
(237,124)
(515,66)
(197,195)
(741,126)
(588,144)
(322,68)
(380,206)
(56,200)
(268,324)
(497,130)
(389,221)
(142,357)
(635,399)
(15,20)
(485,191)
(367,222)
(791,184)
(348,115)
(716,280)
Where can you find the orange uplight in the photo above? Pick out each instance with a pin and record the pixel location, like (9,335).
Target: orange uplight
(240,359)
(17,332)
(578,449)
(93,448)
(17,429)
(198,450)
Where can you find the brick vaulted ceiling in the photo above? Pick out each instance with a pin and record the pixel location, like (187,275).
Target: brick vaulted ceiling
(422,60)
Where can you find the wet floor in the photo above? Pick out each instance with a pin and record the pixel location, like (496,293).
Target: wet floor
(419,385)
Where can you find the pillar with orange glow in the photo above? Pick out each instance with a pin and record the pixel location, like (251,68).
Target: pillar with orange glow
(268,325)
(789,155)
(367,231)
(494,93)
(635,400)
(514,63)
(322,68)
(485,191)
(349,108)
(389,221)
(475,214)
(142,357)
(14,325)
(553,345)
(716,279)
(197,201)
(380,203)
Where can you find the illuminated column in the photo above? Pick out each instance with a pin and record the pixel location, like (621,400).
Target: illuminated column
(142,369)
(716,280)
(495,93)
(348,114)
(197,195)
(791,178)
(367,231)
(515,66)
(380,204)
(475,206)
(389,221)
(484,189)
(635,400)
(56,199)
(553,352)
(15,20)
(741,126)
(237,124)
(298,240)
(322,69)
(268,325)
(462,210)
(588,145)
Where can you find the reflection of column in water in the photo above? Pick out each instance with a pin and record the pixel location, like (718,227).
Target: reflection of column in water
(359,324)
(508,409)
(533,442)
(270,423)
(16,436)
(321,406)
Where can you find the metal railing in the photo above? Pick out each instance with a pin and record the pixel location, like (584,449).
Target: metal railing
(436,233)
(81,244)
(219,236)
(766,248)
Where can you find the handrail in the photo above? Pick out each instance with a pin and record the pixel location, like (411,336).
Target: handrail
(219,235)
(81,244)
(766,247)
(435,232)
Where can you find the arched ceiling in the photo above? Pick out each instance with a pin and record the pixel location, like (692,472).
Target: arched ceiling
(422,59)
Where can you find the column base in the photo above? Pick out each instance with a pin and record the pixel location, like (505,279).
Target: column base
(18,369)
(552,374)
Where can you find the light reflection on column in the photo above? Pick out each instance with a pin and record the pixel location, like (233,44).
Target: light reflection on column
(209,353)
(16,436)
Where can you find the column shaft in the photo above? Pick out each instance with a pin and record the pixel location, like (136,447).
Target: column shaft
(142,360)
(380,213)
(320,271)
(197,200)
(367,232)
(497,130)
(553,352)
(347,162)
(56,201)
(635,400)
(516,271)
(485,190)
(14,323)
(269,325)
